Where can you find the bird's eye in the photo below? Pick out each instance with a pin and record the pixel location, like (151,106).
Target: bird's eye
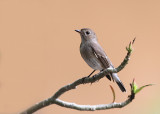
(87,32)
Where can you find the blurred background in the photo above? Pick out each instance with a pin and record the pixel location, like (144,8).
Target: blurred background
(39,52)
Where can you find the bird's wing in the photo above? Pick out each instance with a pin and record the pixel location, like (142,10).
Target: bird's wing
(101,55)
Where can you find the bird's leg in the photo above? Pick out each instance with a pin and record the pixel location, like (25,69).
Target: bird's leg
(91,73)
(88,75)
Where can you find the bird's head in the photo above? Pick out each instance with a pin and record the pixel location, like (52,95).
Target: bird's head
(87,34)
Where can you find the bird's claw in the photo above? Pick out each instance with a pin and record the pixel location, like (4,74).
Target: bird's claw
(83,79)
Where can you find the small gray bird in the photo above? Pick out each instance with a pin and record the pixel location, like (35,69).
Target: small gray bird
(94,55)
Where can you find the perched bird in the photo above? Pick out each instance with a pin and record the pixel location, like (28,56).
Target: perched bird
(94,55)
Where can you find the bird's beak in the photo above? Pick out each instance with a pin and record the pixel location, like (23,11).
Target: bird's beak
(78,31)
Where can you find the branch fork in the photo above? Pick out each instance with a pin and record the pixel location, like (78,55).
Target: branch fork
(54,99)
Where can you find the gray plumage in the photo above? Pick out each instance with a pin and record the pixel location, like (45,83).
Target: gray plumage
(94,55)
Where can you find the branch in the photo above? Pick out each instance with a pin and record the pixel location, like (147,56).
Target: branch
(54,99)
(91,107)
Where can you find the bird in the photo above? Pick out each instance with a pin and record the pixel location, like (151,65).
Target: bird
(95,56)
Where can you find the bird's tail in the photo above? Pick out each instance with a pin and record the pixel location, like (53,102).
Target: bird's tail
(118,81)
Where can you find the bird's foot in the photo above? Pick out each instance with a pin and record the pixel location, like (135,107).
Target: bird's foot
(94,79)
(83,79)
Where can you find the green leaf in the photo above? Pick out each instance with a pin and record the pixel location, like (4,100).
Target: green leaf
(135,87)
(129,49)
(139,89)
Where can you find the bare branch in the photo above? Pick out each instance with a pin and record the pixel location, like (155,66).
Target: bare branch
(91,107)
